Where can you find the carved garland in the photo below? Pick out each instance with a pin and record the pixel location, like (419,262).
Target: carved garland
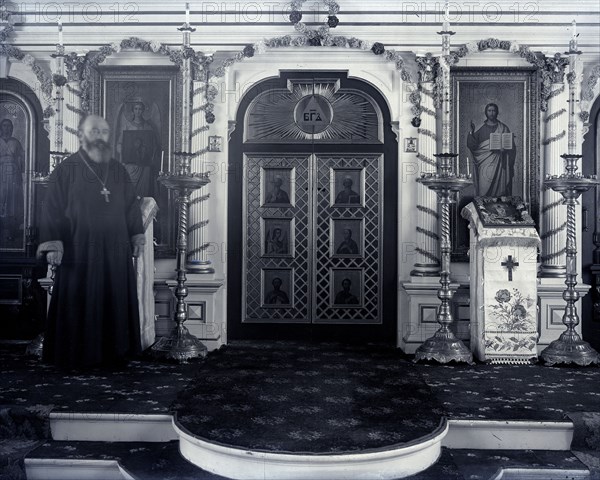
(6,17)
(587,92)
(43,77)
(199,60)
(311,37)
(546,67)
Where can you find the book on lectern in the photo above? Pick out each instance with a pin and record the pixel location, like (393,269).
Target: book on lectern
(500,141)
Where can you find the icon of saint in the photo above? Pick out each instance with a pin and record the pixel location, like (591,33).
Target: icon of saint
(348,245)
(278,194)
(277,243)
(345,296)
(347,195)
(277,296)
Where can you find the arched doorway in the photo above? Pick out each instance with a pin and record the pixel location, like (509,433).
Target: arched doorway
(312,211)
(590,241)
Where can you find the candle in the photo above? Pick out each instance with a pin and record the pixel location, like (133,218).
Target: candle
(574,29)
(468,167)
(162,161)
(60,33)
(187,13)
(446,23)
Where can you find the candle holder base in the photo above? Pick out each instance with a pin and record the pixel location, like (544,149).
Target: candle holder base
(444,348)
(36,346)
(180,346)
(570,350)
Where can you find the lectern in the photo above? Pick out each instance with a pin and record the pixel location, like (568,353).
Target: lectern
(503,269)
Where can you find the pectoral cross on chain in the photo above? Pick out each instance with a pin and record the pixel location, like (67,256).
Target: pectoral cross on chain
(106,193)
(510,264)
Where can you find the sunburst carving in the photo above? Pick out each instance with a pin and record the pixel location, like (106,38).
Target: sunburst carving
(356,118)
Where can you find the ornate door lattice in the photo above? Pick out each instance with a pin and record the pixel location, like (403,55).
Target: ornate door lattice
(313,221)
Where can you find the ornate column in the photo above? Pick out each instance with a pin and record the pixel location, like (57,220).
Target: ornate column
(561,136)
(201,96)
(58,82)
(72,112)
(554,215)
(427,262)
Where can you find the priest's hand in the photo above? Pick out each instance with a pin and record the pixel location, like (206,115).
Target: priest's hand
(137,242)
(54,257)
(52,250)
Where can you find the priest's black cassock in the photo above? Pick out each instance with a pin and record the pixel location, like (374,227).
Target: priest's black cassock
(93,316)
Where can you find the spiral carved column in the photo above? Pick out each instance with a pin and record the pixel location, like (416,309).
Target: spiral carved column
(427,262)
(553,231)
(197,259)
(72,110)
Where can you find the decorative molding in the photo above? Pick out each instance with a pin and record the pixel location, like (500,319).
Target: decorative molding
(555,66)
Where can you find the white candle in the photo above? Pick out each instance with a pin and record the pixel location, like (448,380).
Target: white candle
(445,22)
(162,161)
(468,167)
(187,13)
(60,33)
(574,29)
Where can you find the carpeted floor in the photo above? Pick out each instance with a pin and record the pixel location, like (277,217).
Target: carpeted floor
(318,391)
(326,398)
(289,396)
(144,386)
(513,392)
(31,390)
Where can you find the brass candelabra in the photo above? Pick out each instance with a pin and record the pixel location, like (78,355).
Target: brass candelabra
(443,346)
(180,344)
(569,347)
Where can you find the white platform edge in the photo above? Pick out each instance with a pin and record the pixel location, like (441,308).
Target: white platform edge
(471,434)
(248,465)
(73,469)
(112,427)
(509,435)
(511,473)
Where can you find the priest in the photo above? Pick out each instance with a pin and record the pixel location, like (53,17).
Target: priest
(91,228)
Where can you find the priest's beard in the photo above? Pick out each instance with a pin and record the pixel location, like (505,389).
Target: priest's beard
(98,150)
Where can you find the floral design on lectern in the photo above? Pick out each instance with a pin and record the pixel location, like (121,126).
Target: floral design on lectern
(513,311)
(513,322)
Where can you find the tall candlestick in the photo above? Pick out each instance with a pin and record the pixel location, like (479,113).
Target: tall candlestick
(187,13)
(60,33)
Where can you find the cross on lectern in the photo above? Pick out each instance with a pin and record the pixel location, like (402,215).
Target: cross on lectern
(510,265)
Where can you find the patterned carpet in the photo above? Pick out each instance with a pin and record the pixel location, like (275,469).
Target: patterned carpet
(328,396)
(31,390)
(513,392)
(143,386)
(290,397)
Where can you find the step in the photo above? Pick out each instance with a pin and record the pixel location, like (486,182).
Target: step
(157,461)
(519,465)
(59,460)
(149,461)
